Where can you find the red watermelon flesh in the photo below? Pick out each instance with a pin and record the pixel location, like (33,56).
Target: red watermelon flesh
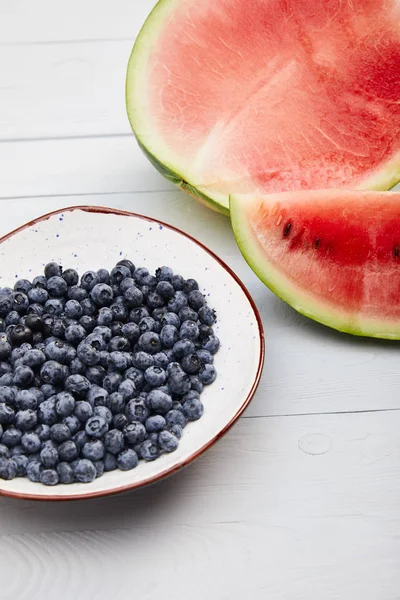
(333,255)
(269,95)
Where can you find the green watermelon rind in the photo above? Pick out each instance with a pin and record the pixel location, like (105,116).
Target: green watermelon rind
(161,156)
(292,294)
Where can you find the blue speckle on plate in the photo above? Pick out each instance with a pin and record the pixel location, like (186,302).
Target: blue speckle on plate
(161,227)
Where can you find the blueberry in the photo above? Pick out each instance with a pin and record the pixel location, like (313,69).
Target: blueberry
(21,461)
(88,280)
(96,374)
(105,317)
(20,334)
(154,300)
(71,277)
(134,433)
(34,358)
(20,302)
(110,462)
(47,413)
(168,441)
(127,460)
(73,423)
(65,473)
(150,342)
(80,439)
(103,412)
(48,390)
(158,313)
(127,263)
(22,285)
(120,311)
(52,372)
(54,307)
(149,450)
(5,349)
(43,432)
(111,382)
(116,402)
(30,442)
(8,468)
(65,404)
(77,293)
(102,294)
(52,269)
(11,437)
(161,360)
(57,286)
(6,305)
(96,427)
(116,330)
(131,332)
(99,466)
(177,302)
(176,417)
(114,441)
(4,451)
(73,309)
(178,282)
(49,477)
(7,395)
(93,450)
(206,315)
(179,383)
(68,451)
(165,289)
(88,354)
(38,295)
(5,367)
(155,423)
(189,330)
(176,430)
(85,471)
(141,274)
(88,308)
(164,274)
(196,384)
(49,456)
(136,410)
(102,276)
(206,358)
(137,314)
(146,324)
(155,376)
(212,344)
(119,344)
(182,348)
(25,399)
(99,339)
(127,390)
(149,281)
(83,410)
(60,433)
(7,380)
(207,374)
(169,336)
(193,409)
(57,350)
(159,401)
(34,470)
(174,367)
(126,283)
(119,273)
(191,364)
(136,375)
(118,361)
(187,314)
(120,420)
(78,385)
(26,419)
(142,360)
(171,318)
(205,332)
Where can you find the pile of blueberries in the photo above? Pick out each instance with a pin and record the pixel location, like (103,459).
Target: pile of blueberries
(101,371)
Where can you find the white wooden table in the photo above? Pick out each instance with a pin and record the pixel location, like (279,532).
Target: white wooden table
(301,500)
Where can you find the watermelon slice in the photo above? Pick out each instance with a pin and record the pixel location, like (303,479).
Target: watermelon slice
(333,255)
(244,96)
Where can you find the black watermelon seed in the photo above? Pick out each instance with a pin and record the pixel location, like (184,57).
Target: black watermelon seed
(317,243)
(396,251)
(287,228)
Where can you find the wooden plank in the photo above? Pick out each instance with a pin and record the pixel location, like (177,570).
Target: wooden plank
(289,509)
(24,22)
(63,90)
(308,368)
(76,166)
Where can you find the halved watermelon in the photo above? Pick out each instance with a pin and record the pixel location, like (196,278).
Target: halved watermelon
(239,96)
(333,255)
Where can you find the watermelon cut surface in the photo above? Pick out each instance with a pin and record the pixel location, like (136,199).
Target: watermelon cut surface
(245,96)
(333,255)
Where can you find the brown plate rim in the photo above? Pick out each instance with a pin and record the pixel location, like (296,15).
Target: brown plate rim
(171,470)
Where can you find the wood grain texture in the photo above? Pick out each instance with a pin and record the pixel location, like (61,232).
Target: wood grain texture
(308,368)
(304,507)
(44,21)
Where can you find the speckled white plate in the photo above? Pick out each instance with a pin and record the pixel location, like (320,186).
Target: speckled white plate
(93,237)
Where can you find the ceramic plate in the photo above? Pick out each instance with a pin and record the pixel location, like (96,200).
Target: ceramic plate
(88,238)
